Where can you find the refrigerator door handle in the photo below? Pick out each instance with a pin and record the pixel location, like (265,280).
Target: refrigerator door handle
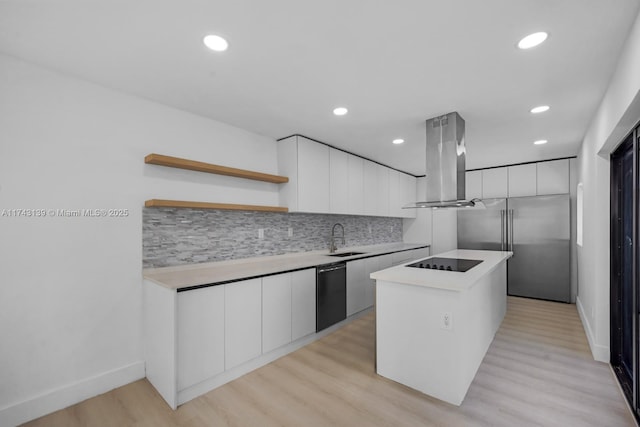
(510,234)
(502,212)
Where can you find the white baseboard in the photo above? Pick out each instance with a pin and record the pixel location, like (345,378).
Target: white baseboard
(601,353)
(68,395)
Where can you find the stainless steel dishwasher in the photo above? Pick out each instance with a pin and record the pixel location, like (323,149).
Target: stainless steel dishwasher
(331,294)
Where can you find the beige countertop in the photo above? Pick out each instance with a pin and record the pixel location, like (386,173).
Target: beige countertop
(186,276)
(450,280)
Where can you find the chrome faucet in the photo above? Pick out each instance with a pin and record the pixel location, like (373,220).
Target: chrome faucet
(332,245)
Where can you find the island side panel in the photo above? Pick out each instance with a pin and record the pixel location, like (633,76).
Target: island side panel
(411,346)
(484,307)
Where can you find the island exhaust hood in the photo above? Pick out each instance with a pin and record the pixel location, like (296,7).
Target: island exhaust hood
(445,172)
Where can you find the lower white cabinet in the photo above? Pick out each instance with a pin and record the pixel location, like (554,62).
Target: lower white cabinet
(200,335)
(199,339)
(276,311)
(385,261)
(356,284)
(288,308)
(303,303)
(370,265)
(242,322)
(360,287)
(407,256)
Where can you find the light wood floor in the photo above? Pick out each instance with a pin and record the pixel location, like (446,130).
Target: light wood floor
(537,372)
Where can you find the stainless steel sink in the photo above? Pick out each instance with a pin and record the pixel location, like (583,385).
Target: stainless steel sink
(344,254)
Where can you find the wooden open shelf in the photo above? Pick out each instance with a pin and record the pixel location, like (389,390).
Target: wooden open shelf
(176,162)
(159,203)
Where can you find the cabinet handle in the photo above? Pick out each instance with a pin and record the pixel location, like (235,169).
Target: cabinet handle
(511,231)
(502,229)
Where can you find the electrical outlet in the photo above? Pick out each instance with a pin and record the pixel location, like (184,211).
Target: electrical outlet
(446,320)
(290,232)
(260,233)
(391,229)
(370,232)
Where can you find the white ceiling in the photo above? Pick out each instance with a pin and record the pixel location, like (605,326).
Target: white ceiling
(392,63)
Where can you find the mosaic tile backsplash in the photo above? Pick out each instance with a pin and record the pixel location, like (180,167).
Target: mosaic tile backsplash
(178,236)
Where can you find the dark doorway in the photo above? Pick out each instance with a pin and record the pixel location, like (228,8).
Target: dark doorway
(624,274)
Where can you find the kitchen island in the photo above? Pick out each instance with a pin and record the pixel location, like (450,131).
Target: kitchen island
(433,327)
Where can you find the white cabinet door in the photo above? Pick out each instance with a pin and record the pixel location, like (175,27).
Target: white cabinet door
(313,176)
(403,257)
(370,265)
(200,329)
(276,311)
(408,195)
(494,183)
(303,303)
(370,188)
(395,186)
(338,178)
(553,177)
(383,191)
(473,185)
(522,180)
(355,286)
(385,261)
(355,185)
(243,321)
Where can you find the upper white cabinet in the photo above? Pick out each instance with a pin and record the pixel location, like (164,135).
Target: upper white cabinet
(327,180)
(402,190)
(408,187)
(382,207)
(355,185)
(494,183)
(200,335)
(395,204)
(370,188)
(522,180)
(338,178)
(242,322)
(276,311)
(303,303)
(473,185)
(540,178)
(307,165)
(553,177)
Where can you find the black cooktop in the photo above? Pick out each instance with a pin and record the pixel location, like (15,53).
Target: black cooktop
(446,264)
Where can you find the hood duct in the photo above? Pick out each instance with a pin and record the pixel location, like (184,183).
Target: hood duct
(445,174)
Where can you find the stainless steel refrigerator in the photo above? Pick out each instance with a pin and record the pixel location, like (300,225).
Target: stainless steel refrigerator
(537,231)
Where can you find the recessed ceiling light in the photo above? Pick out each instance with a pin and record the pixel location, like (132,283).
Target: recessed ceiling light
(540,109)
(216,43)
(398,141)
(532,40)
(540,141)
(340,111)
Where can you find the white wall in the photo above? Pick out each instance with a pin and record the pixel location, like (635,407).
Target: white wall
(70,288)
(616,115)
(438,228)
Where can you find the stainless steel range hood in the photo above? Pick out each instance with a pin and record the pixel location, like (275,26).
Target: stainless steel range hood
(445,165)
